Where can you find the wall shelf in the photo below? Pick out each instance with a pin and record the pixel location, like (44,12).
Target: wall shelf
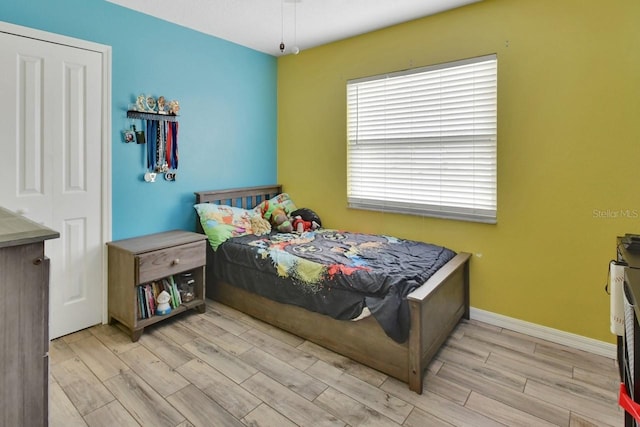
(132,114)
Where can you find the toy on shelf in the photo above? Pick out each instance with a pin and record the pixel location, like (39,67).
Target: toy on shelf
(163,303)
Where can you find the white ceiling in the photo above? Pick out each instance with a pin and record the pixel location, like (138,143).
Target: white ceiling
(262,24)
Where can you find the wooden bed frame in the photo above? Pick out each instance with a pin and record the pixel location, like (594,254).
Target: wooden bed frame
(436,308)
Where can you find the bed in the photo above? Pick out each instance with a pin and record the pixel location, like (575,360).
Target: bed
(434,308)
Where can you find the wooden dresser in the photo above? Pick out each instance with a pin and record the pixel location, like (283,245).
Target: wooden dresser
(24,321)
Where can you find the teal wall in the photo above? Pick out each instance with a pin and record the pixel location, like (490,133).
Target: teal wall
(228,104)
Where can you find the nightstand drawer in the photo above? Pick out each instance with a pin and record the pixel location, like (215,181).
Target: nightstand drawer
(166,262)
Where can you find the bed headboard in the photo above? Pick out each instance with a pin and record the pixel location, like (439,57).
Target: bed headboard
(245,197)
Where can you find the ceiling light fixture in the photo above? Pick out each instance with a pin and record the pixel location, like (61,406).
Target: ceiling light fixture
(295,49)
(282,29)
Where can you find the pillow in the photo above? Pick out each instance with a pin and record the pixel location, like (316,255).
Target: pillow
(281,200)
(221,222)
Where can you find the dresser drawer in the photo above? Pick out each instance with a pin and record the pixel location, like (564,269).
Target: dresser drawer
(166,262)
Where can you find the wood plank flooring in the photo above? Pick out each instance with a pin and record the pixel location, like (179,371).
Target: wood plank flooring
(223,368)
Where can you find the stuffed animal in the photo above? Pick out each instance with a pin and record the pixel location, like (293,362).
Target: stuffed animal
(278,218)
(300,225)
(307,215)
(280,221)
(260,225)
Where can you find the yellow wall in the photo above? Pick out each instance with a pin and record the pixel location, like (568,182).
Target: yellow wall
(568,146)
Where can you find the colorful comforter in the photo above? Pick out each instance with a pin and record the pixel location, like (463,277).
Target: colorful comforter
(332,272)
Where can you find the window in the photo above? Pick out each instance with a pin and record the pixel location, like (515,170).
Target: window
(423,141)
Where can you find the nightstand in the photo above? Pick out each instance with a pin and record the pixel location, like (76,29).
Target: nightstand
(138,261)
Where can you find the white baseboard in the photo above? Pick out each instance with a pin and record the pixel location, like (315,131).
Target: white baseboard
(554,335)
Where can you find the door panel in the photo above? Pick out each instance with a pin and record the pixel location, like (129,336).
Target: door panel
(29,169)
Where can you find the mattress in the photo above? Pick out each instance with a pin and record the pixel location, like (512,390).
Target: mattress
(333,272)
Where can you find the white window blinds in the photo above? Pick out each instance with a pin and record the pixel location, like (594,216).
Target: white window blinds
(423,141)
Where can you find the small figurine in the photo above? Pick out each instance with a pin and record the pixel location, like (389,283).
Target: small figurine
(174,107)
(151,104)
(163,303)
(140,103)
(162,103)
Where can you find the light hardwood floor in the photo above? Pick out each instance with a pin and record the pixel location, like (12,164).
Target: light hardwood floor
(223,368)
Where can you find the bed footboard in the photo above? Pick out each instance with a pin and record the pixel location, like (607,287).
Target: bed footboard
(436,308)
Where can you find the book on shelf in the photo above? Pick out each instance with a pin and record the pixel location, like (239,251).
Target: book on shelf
(142,305)
(175,292)
(151,302)
(170,286)
(148,294)
(146,301)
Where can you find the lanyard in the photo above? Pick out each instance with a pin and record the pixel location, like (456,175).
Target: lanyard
(159,154)
(152,126)
(162,145)
(174,147)
(169,142)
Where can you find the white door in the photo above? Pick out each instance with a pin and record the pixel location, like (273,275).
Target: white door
(51,142)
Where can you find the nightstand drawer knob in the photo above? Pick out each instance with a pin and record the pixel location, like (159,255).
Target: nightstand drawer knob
(175,261)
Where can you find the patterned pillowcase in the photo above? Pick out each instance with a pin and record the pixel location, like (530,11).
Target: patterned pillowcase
(221,222)
(283,200)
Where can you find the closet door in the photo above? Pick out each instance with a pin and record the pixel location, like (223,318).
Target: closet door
(51,140)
